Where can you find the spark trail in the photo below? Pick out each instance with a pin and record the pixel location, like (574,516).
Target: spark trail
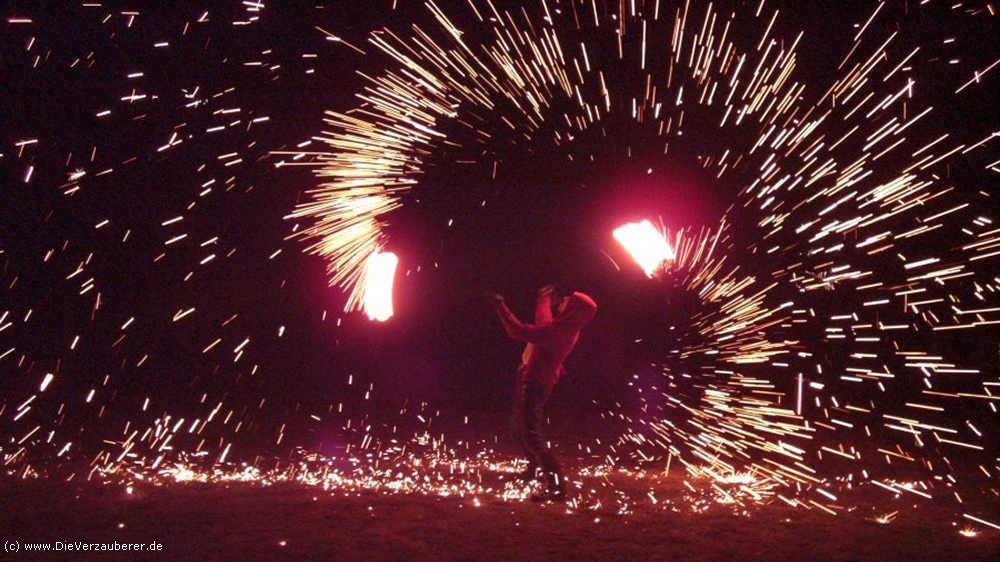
(836,296)
(817,350)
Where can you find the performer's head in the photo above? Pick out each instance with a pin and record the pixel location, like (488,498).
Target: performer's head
(577,308)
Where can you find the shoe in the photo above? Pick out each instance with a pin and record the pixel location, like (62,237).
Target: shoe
(555,489)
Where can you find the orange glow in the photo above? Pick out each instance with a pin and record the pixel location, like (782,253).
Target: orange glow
(379,275)
(646,244)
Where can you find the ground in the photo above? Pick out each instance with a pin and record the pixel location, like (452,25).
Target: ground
(240,521)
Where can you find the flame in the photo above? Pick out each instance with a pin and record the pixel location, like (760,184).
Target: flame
(647,245)
(379,274)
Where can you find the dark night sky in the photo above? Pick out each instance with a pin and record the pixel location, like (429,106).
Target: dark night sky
(547,219)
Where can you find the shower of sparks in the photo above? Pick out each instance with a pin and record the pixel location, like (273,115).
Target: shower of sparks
(816,323)
(646,244)
(820,356)
(346,231)
(377,293)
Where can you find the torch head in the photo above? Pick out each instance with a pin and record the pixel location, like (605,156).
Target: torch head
(647,245)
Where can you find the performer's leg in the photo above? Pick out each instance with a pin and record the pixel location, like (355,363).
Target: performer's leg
(536,395)
(518,424)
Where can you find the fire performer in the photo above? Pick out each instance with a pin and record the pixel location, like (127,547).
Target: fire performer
(549,341)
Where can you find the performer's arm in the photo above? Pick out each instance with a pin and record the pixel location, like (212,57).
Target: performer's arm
(543,305)
(531,333)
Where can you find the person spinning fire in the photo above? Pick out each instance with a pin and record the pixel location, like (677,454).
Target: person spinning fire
(549,341)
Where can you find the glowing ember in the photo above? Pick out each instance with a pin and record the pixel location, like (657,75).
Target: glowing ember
(379,273)
(647,245)
(886,518)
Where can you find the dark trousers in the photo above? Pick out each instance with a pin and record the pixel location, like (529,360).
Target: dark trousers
(530,395)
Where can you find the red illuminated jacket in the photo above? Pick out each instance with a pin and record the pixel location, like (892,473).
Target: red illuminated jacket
(549,340)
